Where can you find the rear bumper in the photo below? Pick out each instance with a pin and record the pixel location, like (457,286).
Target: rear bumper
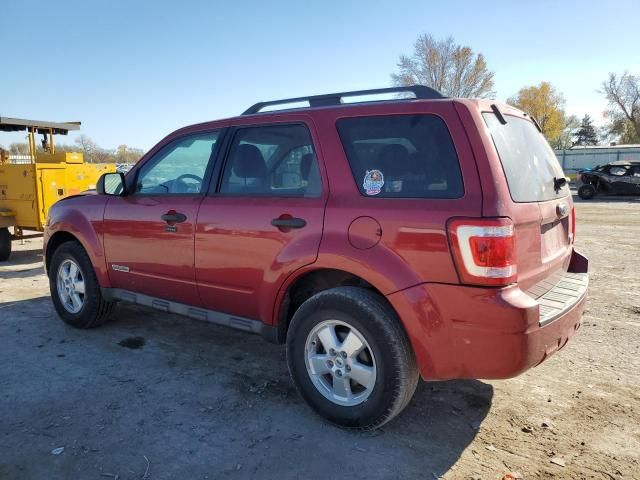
(467,332)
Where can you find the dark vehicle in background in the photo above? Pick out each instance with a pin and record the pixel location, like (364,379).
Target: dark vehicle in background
(615,178)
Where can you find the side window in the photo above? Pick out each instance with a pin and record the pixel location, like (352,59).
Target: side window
(617,171)
(636,171)
(402,156)
(276,160)
(179,168)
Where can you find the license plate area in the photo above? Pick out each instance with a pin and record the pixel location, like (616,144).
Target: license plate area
(554,239)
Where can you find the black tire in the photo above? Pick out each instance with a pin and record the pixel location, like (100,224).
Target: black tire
(5,244)
(95,309)
(586,191)
(395,364)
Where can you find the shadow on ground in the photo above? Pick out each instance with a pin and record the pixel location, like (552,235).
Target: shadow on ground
(22,264)
(198,401)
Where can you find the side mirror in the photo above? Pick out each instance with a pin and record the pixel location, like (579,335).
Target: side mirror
(111,184)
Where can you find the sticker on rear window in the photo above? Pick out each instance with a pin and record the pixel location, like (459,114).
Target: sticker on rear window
(373,182)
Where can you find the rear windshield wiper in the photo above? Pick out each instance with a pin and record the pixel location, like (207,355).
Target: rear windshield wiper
(558,183)
(498,114)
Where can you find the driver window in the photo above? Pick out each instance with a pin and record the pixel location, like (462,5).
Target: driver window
(179,168)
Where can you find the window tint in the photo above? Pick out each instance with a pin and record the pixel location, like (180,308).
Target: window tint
(636,171)
(403,156)
(528,162)
(179,168)
(617,171)
(275,160)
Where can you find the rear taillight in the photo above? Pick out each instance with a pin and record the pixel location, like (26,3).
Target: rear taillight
(573,226)
(484,250)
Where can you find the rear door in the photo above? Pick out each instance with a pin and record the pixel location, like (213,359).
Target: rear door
(541,207)
(149,233)
(262,221)
(408,170)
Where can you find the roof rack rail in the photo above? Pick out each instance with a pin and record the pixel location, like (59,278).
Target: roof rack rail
(420,92)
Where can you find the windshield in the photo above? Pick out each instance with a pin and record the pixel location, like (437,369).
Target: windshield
(529,164)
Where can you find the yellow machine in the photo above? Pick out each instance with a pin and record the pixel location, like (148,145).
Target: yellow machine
(31,184)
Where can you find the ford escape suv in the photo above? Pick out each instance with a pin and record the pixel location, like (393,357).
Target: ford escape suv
(381,240)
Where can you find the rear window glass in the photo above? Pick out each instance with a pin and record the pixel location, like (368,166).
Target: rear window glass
(402,156)
(528,162)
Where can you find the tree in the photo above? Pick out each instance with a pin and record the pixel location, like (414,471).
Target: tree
(91,151)
(454,70)
(565,141)
(586,134)
(623,132)
(19,148)
(88,147)
(125,154)
(623,94)
(546,105)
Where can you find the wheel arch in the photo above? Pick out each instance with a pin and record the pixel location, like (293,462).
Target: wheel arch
(54,242)
(91,244)
(308,282)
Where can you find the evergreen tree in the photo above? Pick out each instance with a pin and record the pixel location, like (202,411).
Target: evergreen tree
(586,134)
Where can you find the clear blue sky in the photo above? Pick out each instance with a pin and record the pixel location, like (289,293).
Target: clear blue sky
(134,71)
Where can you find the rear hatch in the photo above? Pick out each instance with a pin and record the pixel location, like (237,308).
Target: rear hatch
(541,205)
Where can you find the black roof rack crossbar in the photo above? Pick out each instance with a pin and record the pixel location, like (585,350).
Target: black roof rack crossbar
(420,92)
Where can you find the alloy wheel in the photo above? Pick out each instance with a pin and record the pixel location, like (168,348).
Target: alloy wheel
(340,363)
(71,286)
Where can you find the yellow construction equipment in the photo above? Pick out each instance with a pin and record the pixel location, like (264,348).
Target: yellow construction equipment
(30,184)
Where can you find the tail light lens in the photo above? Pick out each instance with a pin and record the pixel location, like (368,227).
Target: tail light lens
(484,250)
(573,225)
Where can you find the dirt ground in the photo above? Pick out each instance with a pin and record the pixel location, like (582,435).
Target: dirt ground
(156,396)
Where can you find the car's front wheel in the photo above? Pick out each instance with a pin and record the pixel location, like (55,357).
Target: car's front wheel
(586,191)
(350,358)
(74,288)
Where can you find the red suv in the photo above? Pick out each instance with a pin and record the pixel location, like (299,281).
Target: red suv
(380,240)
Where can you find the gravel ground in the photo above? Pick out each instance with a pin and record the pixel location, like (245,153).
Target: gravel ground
(156,396)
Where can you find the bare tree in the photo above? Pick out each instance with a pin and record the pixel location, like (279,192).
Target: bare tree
(623,93)
(88,147)
(454,70)
(19,148)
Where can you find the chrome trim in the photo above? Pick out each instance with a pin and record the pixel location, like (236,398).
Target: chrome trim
(197,313)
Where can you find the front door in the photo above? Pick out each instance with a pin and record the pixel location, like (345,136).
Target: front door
(262,222)
(149,233)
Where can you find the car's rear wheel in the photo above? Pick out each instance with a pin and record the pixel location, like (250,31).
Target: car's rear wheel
(5,244)
(586,191)
(350,357)
(74,288)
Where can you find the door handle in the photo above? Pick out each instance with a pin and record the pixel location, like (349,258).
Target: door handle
(284,222)
(173,217)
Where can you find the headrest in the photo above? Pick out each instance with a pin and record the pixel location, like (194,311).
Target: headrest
(249,162)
